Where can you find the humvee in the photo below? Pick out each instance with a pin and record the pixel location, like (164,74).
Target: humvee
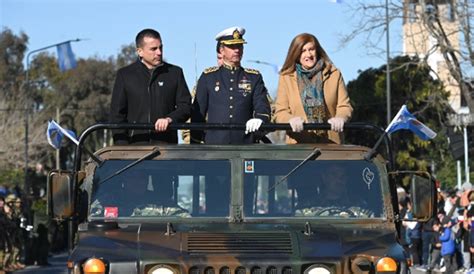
(234,209)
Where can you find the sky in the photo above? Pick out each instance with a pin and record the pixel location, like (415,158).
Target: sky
(188,29)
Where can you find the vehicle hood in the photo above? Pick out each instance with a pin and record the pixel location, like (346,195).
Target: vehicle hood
(147,242)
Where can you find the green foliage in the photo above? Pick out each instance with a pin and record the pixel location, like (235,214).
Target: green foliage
(39,206)
(12,52)
(411,84)
(11,177)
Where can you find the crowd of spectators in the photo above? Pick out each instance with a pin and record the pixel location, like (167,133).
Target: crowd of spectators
(445,243)
(12,231)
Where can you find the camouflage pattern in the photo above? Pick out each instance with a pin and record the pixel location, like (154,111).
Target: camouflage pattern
(334,211)
(153,210)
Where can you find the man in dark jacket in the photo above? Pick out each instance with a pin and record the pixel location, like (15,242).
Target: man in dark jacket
(149,91)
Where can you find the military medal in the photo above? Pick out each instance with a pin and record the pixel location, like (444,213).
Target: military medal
(245,87)
(217,87)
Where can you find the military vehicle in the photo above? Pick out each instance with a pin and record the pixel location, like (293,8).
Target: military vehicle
(234,209)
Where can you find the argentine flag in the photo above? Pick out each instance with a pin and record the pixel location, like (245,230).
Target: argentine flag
(66,59)
(55,134)
(405,120)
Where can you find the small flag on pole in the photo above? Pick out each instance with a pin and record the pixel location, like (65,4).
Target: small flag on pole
(66,59)
(55,134)
(405,120)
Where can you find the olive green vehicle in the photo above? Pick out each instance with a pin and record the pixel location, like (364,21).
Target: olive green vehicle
(234,209)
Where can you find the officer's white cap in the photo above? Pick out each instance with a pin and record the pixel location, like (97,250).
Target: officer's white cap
(231,36)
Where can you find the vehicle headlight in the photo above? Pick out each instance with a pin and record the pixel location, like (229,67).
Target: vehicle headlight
(317,269)
(94,266)
(386,264)
(161,269)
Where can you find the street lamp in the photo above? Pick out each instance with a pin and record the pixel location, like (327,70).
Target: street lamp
(26,84)
(387,25)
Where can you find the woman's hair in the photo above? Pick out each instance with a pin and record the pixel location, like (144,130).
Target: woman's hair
(294,52)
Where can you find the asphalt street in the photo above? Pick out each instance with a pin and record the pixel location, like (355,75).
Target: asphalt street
(57,264)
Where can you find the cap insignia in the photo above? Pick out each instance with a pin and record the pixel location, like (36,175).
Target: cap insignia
(236,34)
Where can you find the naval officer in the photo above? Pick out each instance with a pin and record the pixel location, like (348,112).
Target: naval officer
(230,94)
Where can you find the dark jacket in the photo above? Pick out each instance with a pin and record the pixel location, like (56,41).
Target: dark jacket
(143,96)
(229,96)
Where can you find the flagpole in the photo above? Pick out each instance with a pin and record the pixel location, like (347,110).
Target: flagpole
(387,25)
(26,86)
(395,118)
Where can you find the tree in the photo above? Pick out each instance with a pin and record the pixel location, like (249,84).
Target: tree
(459,58)
(425,98)
(82,96)
(12,105)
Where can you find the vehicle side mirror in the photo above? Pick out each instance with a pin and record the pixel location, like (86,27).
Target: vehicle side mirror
(423,194)
(60,186)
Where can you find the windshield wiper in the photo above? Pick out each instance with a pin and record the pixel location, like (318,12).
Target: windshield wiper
(314,154)
(155,152)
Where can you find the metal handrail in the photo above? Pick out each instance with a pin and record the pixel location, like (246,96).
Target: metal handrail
(215,126)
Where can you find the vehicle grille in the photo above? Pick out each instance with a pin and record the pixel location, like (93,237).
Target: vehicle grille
(240,270)
(240,243)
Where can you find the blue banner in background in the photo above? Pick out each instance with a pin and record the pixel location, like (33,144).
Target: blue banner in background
(66,59)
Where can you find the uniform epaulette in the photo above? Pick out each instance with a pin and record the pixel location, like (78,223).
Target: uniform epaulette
(254,71)
(211,69)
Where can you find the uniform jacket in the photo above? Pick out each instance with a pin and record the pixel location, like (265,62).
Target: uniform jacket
(142,97)
(288,102)
(229,95)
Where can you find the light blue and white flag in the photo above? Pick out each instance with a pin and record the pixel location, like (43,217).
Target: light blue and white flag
(55,134)
(336,1)
(405,120)
(66,59)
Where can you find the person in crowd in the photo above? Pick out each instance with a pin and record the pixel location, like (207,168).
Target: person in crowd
(427,234)
(413,234)
(149,91)
(448,245)
(465,202)
(42,245)
(435,253)
(230,94)
(403,211)
(19,218)
(11,228)
(311,90)
(3,235)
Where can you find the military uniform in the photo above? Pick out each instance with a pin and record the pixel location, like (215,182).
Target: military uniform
(229,95)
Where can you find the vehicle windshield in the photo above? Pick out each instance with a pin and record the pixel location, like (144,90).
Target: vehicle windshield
(164,188)
(336,189)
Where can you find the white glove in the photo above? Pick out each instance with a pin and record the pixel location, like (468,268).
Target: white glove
(337,124)
(296,124)
(253,125)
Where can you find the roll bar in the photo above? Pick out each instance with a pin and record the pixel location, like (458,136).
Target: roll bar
(214,126)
